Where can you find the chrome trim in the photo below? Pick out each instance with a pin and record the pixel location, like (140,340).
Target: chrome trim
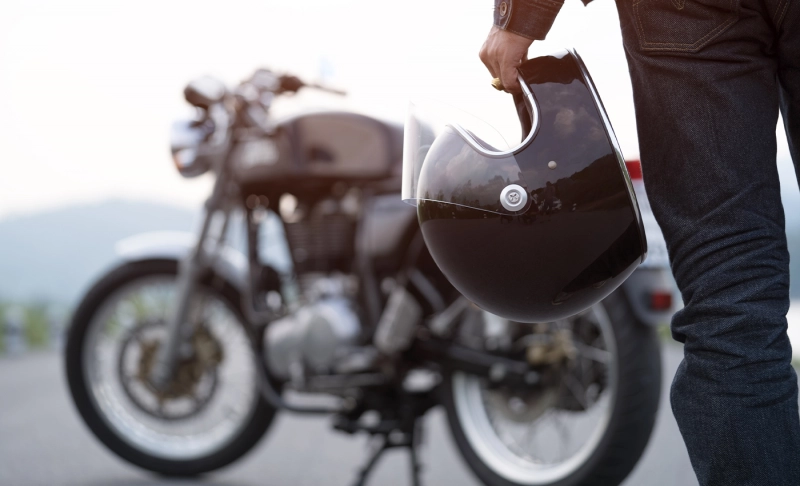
(531,101)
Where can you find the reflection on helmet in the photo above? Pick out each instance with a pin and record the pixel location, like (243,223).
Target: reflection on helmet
(579,235)
(454,172)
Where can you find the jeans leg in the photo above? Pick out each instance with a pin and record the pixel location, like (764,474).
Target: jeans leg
(788,25)
(706,120)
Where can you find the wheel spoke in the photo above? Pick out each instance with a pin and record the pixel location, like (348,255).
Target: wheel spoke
(565,434)
(533,427)
(576,390)
(593,353)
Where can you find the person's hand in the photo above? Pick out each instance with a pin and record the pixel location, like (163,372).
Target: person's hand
(502,52)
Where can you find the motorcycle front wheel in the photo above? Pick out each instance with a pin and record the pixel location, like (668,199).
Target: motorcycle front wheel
(590,428)
(208,416)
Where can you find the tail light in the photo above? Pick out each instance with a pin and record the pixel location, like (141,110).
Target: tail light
(634,169)
(660,301)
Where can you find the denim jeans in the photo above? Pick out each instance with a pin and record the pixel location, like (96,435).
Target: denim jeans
(709,78)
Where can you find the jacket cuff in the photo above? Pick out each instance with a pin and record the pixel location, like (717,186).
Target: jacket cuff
(528,18)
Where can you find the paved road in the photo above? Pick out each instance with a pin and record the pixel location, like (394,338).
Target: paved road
(43,442)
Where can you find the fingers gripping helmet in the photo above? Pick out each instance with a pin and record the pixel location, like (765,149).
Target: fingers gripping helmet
(536,232)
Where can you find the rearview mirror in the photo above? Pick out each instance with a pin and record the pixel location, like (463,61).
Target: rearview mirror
(204,92)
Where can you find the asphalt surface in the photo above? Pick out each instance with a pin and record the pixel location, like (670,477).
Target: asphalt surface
(43,442)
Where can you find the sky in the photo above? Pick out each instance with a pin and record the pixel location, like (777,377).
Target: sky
(89,88)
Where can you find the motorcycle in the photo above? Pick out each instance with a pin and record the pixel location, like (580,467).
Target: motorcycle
(179,357)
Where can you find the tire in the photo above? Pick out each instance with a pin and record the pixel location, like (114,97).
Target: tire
(632,413)
(245,437)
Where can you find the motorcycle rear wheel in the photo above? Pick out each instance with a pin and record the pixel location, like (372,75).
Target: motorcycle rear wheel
(239,439)
(609,452)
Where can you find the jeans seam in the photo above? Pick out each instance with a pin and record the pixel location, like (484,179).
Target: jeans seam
(677,46)
(781,13)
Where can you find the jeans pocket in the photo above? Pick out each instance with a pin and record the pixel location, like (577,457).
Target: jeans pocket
(682,25)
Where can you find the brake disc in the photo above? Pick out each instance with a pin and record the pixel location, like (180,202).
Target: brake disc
(194,379)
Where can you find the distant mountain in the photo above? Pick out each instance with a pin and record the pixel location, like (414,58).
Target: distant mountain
(54,256)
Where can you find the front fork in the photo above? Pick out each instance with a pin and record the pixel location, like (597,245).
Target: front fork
(190,269)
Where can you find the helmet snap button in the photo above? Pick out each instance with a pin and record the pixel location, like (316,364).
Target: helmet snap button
(514,197)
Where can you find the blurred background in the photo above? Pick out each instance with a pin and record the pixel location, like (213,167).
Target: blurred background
(88,90)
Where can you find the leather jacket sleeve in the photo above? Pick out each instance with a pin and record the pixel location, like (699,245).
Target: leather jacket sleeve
(528,18)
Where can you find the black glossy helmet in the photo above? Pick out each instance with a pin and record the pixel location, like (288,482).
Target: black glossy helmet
(536,232)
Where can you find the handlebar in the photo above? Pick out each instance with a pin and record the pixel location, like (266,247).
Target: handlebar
(248,104)
(293,84)
(266,81)
(327,89)
(205,91)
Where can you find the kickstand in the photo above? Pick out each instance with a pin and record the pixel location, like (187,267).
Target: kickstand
(391,440)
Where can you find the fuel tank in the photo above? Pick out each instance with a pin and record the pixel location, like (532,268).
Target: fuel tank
(322,148)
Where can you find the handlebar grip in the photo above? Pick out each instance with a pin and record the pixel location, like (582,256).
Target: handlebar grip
(291,83)
(335,91)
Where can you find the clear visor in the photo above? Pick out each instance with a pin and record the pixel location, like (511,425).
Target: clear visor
(452,157)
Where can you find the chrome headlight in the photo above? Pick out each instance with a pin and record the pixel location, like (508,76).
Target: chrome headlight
(185,141)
